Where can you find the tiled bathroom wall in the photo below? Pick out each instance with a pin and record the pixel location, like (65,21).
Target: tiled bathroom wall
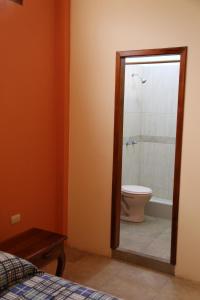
(150,112)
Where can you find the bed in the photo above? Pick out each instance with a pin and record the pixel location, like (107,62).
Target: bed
(19,279)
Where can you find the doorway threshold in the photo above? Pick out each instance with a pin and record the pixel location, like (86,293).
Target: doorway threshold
(146,261)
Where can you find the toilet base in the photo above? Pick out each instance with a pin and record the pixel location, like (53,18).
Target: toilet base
(132,207)
(132,213)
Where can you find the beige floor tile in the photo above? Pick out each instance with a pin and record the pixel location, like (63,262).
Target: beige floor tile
(128,289)
(179,289)
(123,280)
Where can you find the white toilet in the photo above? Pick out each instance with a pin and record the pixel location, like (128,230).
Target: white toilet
(134,198)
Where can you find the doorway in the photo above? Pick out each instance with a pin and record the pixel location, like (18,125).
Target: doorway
(149,106)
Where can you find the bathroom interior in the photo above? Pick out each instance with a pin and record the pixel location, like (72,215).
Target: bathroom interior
(151,87)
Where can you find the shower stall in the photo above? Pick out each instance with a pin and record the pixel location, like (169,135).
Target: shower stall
(149,132)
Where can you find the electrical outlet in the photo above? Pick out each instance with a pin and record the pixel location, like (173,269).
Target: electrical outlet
(15,219)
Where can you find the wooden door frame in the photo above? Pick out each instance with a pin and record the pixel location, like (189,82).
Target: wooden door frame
(118,139)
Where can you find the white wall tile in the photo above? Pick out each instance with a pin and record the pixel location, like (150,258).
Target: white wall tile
(130,164)
(158,124)
(150,110)
(132,124)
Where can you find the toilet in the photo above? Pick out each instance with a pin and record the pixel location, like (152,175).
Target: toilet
(133,201)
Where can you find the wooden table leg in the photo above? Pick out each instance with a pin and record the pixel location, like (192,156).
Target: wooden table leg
(61,263)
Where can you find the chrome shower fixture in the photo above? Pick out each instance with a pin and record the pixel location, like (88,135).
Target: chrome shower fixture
(141,79)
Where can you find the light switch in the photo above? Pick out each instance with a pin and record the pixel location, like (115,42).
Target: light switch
(15,219)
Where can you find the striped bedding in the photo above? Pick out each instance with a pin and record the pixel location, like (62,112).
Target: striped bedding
(17,282)
(45,286)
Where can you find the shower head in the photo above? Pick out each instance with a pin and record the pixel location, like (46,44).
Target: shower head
(143,81)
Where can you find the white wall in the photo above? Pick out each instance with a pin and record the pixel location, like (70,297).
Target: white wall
(150,113)
(99,29)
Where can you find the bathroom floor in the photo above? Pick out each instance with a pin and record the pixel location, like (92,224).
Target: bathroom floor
(152,237)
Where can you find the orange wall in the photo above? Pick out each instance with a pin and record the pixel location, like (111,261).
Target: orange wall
(31,155)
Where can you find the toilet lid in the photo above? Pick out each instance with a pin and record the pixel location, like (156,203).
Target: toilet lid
(136,189)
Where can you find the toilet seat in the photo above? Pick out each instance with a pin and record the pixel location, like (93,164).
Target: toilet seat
(135,189)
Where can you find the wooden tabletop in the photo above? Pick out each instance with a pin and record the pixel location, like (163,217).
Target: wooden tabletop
(31,242)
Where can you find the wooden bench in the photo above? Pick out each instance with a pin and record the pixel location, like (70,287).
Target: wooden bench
(39,247)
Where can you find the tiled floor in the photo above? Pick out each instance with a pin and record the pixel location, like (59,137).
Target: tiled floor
(123,280)
(152,237)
